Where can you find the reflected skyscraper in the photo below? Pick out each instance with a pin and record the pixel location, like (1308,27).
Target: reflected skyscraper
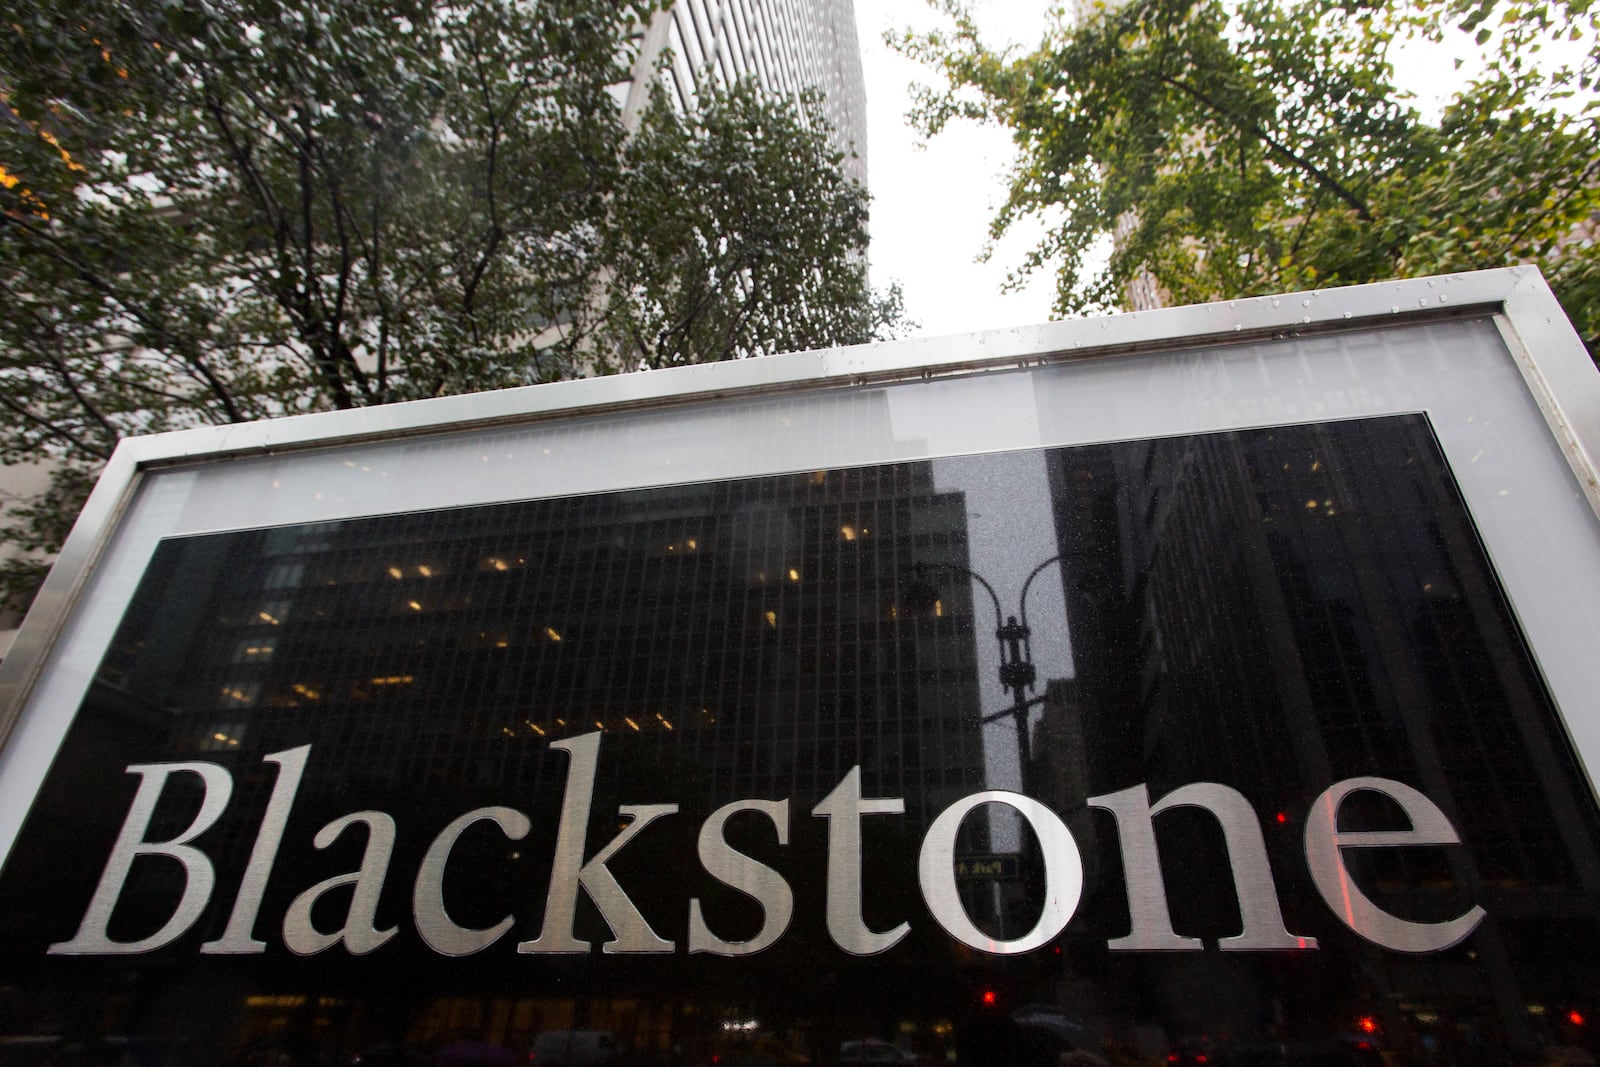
(1281,608)
(727,641)
(1254,616)
(724,622)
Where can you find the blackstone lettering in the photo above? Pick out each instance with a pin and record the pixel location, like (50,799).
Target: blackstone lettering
(631,932)
(751,877)
(427,897)
(1247,855)
(1063,873)
(843,809)
(358,934)
(1150,921)
(1339,891)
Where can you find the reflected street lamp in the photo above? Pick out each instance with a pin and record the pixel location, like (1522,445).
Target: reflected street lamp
(1017,672)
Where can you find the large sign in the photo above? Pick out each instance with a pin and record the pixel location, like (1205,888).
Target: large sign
(1060,886)
(1226,704)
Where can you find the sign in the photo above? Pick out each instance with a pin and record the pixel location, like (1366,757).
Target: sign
(1003,868)
(983,703)
(937,870)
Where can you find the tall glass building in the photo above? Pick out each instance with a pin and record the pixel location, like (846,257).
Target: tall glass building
(786,46)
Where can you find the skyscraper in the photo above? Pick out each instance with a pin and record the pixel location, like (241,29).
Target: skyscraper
(785,46)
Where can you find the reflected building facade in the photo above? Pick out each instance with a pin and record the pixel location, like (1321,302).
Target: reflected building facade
(1270,610)
(1282,608)
(728,641)
(750,627)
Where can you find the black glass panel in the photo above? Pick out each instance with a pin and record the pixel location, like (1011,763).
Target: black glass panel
(653,779)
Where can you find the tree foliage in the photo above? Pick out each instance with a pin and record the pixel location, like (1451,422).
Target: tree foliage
(1226,148)
(233,209)
(702,276)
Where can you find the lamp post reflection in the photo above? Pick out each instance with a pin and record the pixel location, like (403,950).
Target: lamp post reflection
(1017,672)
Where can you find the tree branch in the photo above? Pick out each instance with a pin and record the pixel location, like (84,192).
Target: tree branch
(53,429)
(184,347)
(1320,176)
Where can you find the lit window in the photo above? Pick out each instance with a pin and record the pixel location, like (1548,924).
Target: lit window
(222,736)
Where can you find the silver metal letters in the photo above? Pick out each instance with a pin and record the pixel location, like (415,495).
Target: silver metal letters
(843,809)
(1355,909)
(239,938)
(630,932)
(434,924)
(1247,856)
(751,877)
(358,933)
(92,939)
(1063,871)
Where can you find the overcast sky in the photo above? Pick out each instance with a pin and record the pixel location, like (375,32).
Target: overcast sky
(931,208)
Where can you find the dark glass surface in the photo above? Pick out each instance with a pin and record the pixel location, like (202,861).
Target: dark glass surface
(1272,610)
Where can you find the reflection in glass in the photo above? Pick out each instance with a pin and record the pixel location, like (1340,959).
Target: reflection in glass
(724,717)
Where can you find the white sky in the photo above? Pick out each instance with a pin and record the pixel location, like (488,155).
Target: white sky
(931,207)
